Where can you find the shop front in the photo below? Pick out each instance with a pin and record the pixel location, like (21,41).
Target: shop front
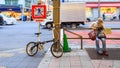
(109,9)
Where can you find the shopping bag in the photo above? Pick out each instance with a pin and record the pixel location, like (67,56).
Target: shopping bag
(107,31)
(92,35)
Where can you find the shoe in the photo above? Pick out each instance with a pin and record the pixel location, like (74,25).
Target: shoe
(105,53)
(100,52)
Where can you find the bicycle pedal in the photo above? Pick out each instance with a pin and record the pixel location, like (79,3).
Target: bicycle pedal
(41,48)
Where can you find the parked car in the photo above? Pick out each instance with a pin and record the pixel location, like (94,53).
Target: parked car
(1,20)
(8,19)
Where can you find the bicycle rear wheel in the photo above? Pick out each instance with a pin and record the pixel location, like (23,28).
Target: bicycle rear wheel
(56,51)
(31,48)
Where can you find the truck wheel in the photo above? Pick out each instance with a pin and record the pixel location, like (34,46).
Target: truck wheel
(73,25)
(63,26)
(48,25)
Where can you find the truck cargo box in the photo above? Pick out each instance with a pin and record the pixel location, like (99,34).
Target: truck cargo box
(71,14)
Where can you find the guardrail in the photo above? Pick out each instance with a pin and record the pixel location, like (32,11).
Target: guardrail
(81,37)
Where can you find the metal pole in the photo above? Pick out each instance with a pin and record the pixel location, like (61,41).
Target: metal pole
(98,8)
(39,3)
(11,2)
(31,10)
(22,13)
(38,31)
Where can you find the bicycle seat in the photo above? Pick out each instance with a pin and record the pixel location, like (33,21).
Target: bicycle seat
(37,33)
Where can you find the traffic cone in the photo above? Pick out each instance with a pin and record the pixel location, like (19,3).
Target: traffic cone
(65,44)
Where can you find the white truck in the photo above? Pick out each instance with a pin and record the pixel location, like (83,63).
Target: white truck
(72,14)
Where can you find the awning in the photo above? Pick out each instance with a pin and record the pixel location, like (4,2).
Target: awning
(103,4)
(10,8)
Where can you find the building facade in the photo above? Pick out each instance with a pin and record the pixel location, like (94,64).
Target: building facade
(26,4)
(17,8)
(90,0)
(111,8)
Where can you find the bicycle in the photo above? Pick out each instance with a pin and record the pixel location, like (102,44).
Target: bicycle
(56,48)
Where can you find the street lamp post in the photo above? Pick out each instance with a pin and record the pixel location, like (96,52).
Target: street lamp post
(98,8)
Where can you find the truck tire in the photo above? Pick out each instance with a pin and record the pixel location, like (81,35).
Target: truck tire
(73,25)
(88,20)
(63,25)
(49,25)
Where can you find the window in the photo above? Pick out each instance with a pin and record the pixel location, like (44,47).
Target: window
(14,2)
(11,2)
(27,3)
(8,2)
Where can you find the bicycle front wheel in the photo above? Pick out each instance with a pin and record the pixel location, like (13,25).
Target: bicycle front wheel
(55,50)
(31,48)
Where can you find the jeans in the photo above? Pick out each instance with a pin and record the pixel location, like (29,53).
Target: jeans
(103,40)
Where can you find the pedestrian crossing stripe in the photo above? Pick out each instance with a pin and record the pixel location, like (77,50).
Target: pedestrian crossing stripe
(13,50)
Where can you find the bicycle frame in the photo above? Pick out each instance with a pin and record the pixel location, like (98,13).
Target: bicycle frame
(40,44)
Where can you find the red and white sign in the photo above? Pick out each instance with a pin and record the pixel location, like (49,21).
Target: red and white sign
(38,11)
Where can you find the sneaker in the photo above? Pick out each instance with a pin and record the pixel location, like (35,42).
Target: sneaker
(105,53)
(100,52)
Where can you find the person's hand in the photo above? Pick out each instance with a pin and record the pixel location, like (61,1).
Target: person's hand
(93,28)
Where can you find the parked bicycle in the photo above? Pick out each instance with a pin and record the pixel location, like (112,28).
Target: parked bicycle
(56,48)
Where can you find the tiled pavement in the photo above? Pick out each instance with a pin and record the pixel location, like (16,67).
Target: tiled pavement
(84,34)
(78,58)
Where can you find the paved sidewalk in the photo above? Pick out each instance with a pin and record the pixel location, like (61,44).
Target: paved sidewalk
(77,58)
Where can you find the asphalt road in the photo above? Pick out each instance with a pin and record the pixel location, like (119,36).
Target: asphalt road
(18,35)
(13,40)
